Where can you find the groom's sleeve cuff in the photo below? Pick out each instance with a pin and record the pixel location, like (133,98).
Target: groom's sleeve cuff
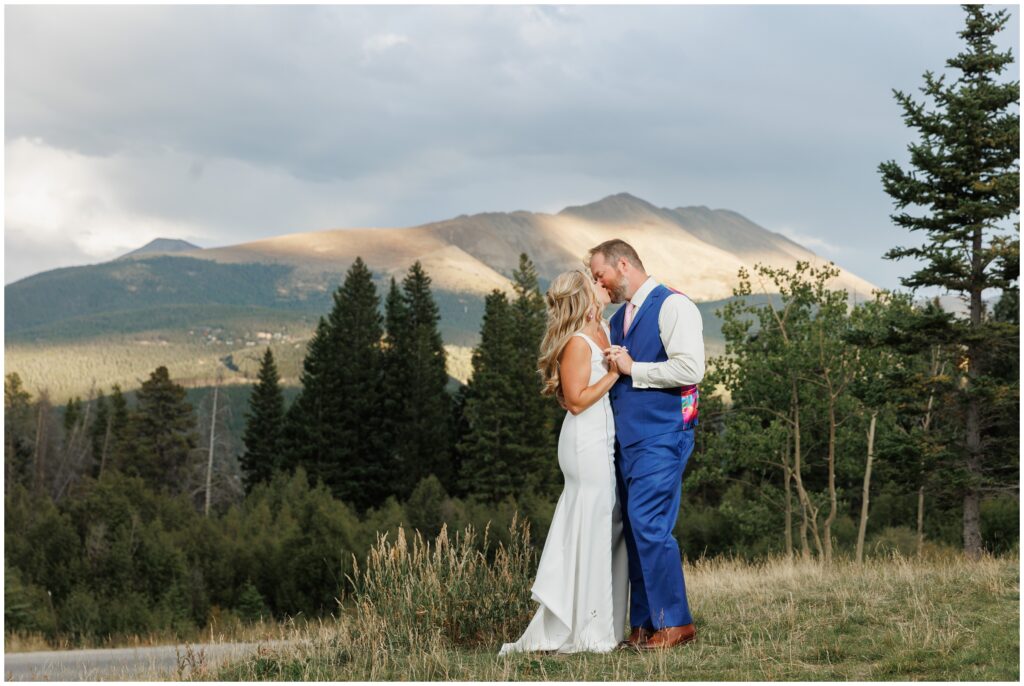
(641,374)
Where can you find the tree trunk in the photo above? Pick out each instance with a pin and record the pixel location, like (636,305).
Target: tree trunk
(972,516)
(209,462)
(38,460)
(867,488)
(72,464)
(810,513)
(920,521)
(832,498)
(788,479)
(936,369)
(972,497)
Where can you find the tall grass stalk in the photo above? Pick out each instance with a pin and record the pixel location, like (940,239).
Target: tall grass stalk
(413,591)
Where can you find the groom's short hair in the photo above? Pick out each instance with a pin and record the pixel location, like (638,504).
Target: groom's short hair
(614,249)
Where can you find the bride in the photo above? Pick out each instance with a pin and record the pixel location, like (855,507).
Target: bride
(582,580)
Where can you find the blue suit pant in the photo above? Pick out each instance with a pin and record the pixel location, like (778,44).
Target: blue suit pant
(649,479)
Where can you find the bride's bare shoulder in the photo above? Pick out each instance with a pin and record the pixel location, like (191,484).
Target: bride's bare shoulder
(575,347)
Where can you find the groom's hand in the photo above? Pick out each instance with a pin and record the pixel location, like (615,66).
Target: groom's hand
(620,357)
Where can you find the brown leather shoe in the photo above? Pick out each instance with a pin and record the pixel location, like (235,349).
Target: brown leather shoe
(637,638)
(670,637)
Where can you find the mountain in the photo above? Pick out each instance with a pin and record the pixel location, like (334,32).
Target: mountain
(694,249)
(160,246)
(173,302)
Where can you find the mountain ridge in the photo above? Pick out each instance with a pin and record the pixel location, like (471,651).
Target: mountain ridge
(692,248)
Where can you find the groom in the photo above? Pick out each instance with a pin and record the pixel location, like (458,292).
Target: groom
(658,346)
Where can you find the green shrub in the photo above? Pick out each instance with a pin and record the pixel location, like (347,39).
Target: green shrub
(424,511)
(80,614)
(128,613)
(251,607)
(1000,523)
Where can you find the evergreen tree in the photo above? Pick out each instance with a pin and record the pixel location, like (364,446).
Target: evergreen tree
(72,413)
(965,173)
(19,436)
(99,432)
(263,426)
(118,445)
(358,470)
(535,447)
(488,467)
(306,440)
(426,403)
(163,432)
(396,369)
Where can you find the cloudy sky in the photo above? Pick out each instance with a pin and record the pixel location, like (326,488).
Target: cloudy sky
(219,125)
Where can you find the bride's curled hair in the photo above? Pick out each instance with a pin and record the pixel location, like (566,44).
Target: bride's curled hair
(570,300)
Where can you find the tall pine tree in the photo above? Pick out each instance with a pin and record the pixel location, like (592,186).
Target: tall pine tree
(19,432)
(118,444)
(415,380)
(163,432)
(535,447)
(965,175)
(488,468)
(99,433)
(394,371)
(263,426)
(359,471)
(306,440)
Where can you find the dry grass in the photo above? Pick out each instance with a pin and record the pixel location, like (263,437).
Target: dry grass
(441,614)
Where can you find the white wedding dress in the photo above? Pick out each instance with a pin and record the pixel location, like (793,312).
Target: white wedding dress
(582,580)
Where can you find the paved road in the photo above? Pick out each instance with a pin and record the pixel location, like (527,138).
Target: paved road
(122,664)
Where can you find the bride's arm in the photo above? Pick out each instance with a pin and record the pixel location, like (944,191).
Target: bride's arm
(574,373)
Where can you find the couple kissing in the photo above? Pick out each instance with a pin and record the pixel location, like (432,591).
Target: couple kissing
(629,386)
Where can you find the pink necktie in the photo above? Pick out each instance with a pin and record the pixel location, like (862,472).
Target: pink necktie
(630,309)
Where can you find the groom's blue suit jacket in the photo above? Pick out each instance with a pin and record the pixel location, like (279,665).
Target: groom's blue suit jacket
(645,412)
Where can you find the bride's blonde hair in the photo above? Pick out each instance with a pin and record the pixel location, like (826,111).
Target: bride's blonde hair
(569,298)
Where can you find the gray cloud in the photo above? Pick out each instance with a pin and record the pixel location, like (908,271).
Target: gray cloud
(230,123)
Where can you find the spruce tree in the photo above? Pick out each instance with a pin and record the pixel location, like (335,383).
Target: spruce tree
(99,432)
(426,400)
(118,445)
(264,424)
(19,434)
(72,413)
(396,370)
(966,178)
(534,447)
(488,468)
(305,441)
(163,432)
(358,470)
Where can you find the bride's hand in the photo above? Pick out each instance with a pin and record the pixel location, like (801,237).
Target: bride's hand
(612,366)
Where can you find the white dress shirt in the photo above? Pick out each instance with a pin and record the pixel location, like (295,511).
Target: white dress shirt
(682,334)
